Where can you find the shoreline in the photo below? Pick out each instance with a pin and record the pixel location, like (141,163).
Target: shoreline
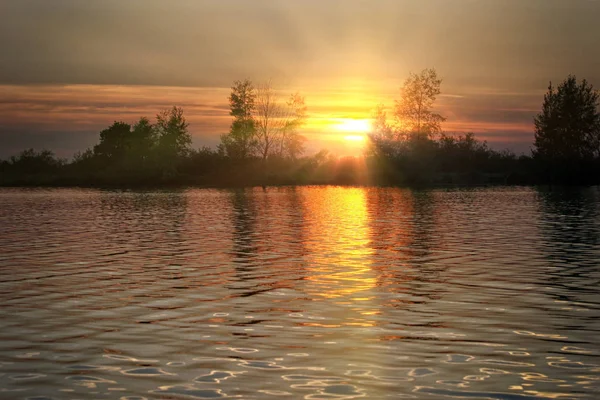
(163,187)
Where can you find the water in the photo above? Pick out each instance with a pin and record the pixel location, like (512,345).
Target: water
(314,293)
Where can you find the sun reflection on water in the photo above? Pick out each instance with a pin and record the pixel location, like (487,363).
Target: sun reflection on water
(339,244)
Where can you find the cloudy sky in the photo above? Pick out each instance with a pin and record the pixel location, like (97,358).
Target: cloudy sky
(71,67)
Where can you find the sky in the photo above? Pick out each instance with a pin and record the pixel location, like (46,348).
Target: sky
(70,67)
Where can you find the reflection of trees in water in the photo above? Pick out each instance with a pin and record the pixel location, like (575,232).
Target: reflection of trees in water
(244,230)
(570,229)
(263,242)
(144,231)
(570,217)
(142,219)
(424,213)
(295,221)
(402,236)
(423,240)
(265,227)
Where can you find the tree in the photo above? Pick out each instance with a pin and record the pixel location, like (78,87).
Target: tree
(83,157)
(381,130)
(174,139)
(383,138)
(269,119)
(143,140)
(240,142)
(277,123)
(124,147)
(114,142)
(413,112)
(462,153)
(568,126)
(292,143)
(414,125)
(34,162)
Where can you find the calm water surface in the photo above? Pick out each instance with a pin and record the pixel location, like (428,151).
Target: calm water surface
(314,293)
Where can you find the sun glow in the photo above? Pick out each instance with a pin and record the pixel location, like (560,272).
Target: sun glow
(355,138)
(354,125)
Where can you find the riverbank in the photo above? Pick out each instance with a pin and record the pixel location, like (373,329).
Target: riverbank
(439,180)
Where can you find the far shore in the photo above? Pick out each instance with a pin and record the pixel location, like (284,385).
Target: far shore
(439,182)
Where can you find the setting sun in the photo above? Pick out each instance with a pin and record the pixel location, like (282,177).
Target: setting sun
(355,138)
(354,125)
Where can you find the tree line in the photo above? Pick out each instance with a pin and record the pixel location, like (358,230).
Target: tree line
(411,146)
(264,146)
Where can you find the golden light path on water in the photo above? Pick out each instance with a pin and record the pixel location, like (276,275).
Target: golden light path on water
(339,258)
(340,261)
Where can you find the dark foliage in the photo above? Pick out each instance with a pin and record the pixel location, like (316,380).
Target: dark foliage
(567,134)
(451,159)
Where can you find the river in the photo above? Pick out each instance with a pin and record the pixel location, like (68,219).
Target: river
(300,292)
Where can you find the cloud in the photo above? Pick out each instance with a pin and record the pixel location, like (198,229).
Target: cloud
(210,43)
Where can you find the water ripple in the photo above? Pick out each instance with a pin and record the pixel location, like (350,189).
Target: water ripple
(312,292)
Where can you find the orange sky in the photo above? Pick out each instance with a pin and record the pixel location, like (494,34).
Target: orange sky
(71,68)
(72,109)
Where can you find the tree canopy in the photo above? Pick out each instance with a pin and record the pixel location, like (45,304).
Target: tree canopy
(413,112)
(174,139)
(240,142)
(568,126)
(264,125)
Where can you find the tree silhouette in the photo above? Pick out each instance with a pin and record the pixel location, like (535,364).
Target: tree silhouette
(240,142)
(32,162)
(277,123)
(268,120)
(413,112)
(174,139)
(414,122)
(292,143)
(380,127)
(114,143)
(383,138)
(143,141)
(263,124)
(568,127)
